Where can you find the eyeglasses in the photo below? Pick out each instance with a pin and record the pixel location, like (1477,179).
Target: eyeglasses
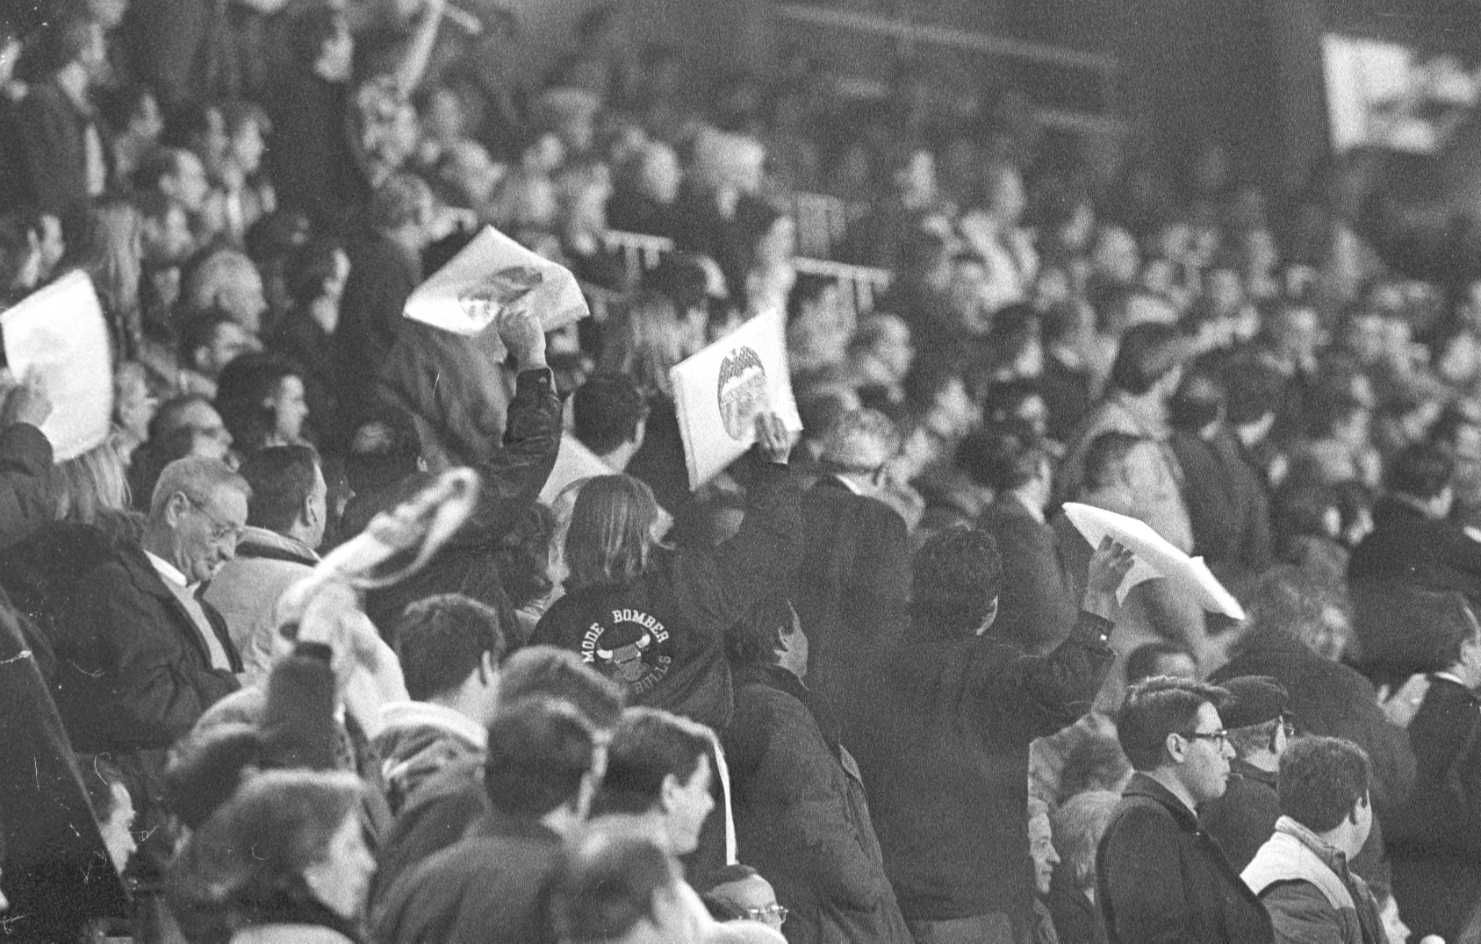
(1219,737)
(220,530)
(778,912)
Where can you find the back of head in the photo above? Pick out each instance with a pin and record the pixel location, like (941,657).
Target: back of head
(1290,602)
(611,532)
(956,577)
(756,639)
(546,672)
(197,479)
(1147,659)
(607,409)
(282,479)
(1147,353)
(1155,708)
(1199,400)
(1106,458)
(1002,458)
(1320,780)
(608,885)
(1078,825)
(860,441)
(442,639)
(539,754)
(287,819)
(1421,470)
(648,746)
(212,272)
(401,200)
(91,483)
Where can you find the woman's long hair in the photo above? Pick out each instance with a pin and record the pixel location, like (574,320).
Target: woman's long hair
(245,865)
(90,484)
(610,537)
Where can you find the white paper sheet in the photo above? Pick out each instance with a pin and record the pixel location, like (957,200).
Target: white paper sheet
(59,332)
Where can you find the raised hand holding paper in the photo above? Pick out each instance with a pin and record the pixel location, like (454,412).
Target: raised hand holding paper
(492,274)
(1155,557)
(720,390)
(58,334)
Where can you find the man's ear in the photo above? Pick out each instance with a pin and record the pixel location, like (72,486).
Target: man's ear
(308,512)
(175,507)
(667,791)
(1176,750)
(989,617)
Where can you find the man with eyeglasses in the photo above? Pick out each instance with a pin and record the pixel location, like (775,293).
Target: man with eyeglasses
(1159,877)
(1260,727)
(140,656)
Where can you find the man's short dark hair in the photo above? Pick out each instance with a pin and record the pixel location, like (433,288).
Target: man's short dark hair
(1142,662)
(1003,458)
(607,886)
(549,672)
(756,639)
(1254,390)
(1105,458)
(282,477)
(648,746)
(1321,779)
(538,754)
(1147,353)
(441,640)
(607,410)
(198,330)
(397,201)
(956,577)
(1155,708)
(1421,470)
(1454,626)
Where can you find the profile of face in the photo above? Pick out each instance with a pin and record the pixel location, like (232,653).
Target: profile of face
(687,804)
(794,650)
(289,409)
(1202,761)
(659,176)
(205,531)
(820,334)
(188,184)
(1144,474)
(753,897)
(53,244)
(167,240)
(1041,851)
(211,437)
(341,878)
(245,297)
(133,405)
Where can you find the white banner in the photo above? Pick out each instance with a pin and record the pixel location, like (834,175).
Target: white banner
(719,391)
(493,273)
(1155,557)
(59,332)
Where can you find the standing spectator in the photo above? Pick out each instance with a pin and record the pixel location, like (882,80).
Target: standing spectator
(261,398)
(851,588)
(1432,839)
(944,748)
(800,811)
(179,176)
(653,618)
(1259,731)
(286,517)
(66,161)
(1301,872)
(1159,878)
(493,885)
(316,278)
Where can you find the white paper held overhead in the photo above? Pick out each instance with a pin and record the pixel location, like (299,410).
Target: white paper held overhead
(1155,557)
(491,274)
(59,332)
(720,390)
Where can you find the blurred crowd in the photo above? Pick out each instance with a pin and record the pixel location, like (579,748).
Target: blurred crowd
(869,684)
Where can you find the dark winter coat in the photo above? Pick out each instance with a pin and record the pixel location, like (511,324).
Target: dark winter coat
(801,817)
(1161,880)
(1244,817)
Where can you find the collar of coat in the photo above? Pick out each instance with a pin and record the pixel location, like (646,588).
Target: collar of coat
(1142,785)
(1249,771)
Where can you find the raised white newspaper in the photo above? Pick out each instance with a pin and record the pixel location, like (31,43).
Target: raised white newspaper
(491,274)
(58,331)
(1155,557)
(719,391)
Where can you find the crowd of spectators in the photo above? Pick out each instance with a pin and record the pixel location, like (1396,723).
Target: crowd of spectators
(870,684)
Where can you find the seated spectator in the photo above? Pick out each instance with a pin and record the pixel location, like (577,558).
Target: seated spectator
(1259,730)
(286,517)
(450,648)
(1158,876)
(646,186)
(1077,829)
(309,876)
(178,176)
(880,355)
(745,894)
(1307,524)
(261,399)
(493,885)
(1301,872)
(315,277)
(209,341)
(244,194)
(800,809)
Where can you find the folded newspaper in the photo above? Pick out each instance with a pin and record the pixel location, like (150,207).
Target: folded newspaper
(493,273)
(1155,557)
